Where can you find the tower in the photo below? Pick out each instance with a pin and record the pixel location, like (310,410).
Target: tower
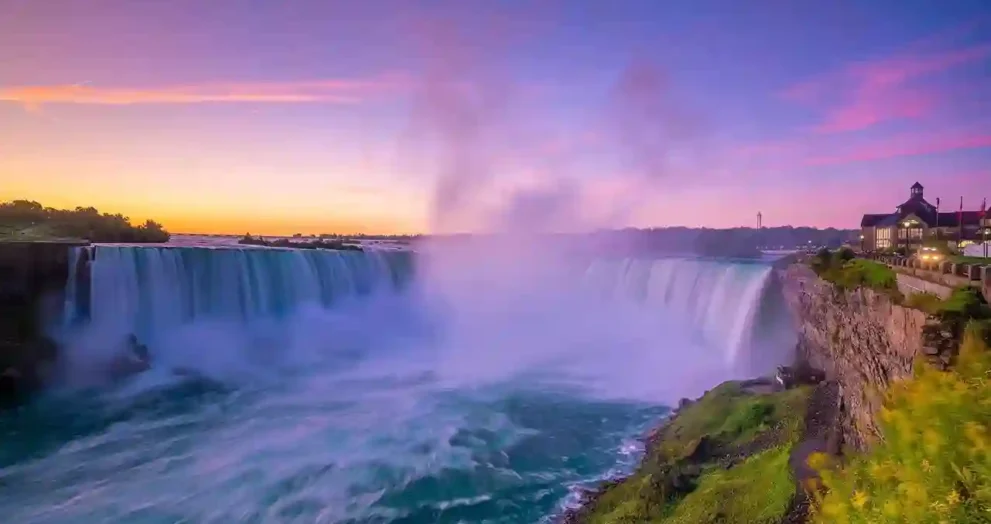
(917,190)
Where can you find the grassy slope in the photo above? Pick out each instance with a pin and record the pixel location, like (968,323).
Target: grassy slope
(33,233)
(860,272)
(757,491)
(733,423)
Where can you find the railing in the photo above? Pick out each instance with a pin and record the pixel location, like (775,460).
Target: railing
(959,273)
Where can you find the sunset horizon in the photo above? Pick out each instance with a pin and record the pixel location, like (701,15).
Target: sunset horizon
(338,118)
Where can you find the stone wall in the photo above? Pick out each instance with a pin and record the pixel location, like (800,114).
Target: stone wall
(861,339)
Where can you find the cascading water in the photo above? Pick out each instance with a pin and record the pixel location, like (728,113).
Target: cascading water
(718,299)
(342,387)
(151,290)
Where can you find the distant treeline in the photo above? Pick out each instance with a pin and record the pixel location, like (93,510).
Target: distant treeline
(735,242)
(30,220)
(362,236)
(743,242)
(249,240)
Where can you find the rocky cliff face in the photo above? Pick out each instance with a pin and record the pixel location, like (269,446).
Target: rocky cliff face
(861,339)
(32,282)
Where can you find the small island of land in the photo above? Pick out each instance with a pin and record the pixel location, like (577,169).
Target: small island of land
(338,245)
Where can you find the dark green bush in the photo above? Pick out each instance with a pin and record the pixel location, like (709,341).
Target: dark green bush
(28,219)
(845,254)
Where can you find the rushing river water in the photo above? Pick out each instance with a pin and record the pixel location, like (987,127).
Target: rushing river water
(316,386)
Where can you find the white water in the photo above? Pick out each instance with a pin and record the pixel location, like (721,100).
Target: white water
(360,387)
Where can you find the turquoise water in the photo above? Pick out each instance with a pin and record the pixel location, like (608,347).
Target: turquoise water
(313,450)
(410,404)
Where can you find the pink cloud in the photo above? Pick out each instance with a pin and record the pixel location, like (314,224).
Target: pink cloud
(869,93)
(904,145)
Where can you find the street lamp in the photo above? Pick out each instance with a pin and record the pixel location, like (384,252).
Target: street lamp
(907,224)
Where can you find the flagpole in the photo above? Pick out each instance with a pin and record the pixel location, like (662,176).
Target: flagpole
(960,226)
(983,226)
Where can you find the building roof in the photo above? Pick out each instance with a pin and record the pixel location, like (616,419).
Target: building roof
(917,206)
(949,219)
(871,220)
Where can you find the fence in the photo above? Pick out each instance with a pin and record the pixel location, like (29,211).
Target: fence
(952,274)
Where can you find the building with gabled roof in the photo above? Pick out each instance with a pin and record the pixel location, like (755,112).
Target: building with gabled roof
(916,220)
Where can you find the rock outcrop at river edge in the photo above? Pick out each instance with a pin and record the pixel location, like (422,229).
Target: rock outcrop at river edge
(736,455)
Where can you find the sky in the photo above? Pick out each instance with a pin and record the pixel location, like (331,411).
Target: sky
(319,116)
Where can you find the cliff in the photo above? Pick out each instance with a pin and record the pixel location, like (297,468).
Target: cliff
(32,282)
(861,339)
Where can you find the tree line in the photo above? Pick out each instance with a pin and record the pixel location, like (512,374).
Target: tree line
(30,219)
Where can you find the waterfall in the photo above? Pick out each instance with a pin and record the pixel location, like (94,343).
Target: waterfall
(148,290)
(719,299)
(167,296)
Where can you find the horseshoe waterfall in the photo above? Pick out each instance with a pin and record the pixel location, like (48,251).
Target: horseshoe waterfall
(284,385)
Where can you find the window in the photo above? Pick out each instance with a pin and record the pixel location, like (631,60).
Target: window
(883,239)
(914,233)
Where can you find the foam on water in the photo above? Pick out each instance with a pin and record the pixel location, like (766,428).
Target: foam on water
(352,387)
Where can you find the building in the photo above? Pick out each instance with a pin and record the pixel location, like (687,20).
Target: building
(915,221)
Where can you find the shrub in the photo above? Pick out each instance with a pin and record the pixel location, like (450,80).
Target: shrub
(822,260)
(28,219)
(863,273)
(968,302)
(845,254)
(934,463)
(925,301)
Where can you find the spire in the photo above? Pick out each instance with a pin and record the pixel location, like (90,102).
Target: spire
(917,190)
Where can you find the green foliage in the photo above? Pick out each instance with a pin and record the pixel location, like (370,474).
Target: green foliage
(925,301)
(822,261)
(845,254)
(728,415)
(752,414)
(934,463)
(757,491)
(846,271)
(860,272)
(726,418)
(28,220)
(966,301)
(339,245)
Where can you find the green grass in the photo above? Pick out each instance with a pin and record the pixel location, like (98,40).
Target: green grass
(964,303)
(968,301)
(858,273)
(729,418)
(31,233)
(925,301)
(757,491)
